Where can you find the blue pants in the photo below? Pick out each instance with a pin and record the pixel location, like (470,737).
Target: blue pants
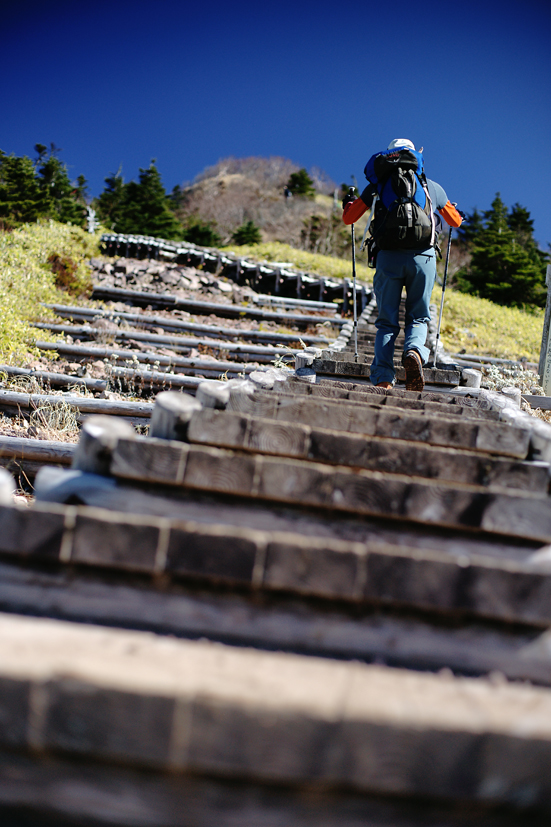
(416,272)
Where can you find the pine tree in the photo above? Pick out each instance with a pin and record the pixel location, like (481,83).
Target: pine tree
(470,228)
(506,266)
(109,204)
(300,183)
(40,189)
(140,207)
(247,233)
(61,196)
(21,197)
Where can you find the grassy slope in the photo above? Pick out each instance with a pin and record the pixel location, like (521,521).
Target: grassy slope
(479,326)
(26,279)
(475,325)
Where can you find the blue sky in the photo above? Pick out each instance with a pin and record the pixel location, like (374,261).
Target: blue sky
(323,83)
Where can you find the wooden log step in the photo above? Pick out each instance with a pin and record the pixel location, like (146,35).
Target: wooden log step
(278,620)
(24,458)
(366,573)
(179,343)
(181,364)
(207,709)
(291,439)
(56,380)
(138,380)
(433,376)
(39,450)
(83,404)
(232,311)
(308,484)
(420,426)
(280,301)
(211,330)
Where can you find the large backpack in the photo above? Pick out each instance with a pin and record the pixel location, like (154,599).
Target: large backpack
(403,218)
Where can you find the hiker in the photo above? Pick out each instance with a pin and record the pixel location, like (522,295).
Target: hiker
(403,248)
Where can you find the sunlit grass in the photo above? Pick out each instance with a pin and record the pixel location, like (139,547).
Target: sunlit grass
(27,279)
(478,326)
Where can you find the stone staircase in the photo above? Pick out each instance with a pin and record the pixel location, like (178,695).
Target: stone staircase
(292,603)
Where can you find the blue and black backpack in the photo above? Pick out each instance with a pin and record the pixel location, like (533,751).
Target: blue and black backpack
(403,218)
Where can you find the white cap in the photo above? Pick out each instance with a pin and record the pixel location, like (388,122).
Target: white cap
(401,143)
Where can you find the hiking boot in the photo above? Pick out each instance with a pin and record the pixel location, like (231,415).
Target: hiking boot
(385,385)
(415,381)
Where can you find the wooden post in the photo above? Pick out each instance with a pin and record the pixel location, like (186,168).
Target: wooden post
(545,363)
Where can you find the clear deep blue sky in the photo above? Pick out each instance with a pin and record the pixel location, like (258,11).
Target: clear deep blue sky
(324,83)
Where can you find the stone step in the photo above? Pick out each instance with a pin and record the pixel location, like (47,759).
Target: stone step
(291,619)
(449,430)
(433,376)
(202,709)
(447,406)
(316,485)
(508,590)
(34,789)
(286,437)
(335,389)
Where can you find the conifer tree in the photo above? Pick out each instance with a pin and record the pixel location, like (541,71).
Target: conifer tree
(247,233)
(505,265)
(471,227)
(40,189)
(139,206)
(21,197)
(201,232)
(61,196)
(109,203)
(300,183)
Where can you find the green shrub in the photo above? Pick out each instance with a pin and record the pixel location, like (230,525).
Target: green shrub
(247,233)
(201,233)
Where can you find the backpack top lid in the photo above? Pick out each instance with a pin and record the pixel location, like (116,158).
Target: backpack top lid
(380,166)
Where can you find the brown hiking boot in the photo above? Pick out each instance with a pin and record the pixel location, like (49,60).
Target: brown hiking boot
(415,381)
(385,385)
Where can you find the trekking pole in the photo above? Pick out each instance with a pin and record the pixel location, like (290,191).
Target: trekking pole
(437,341)
(354,288)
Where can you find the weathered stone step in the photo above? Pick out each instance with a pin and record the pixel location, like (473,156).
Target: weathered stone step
(335,389)
(308,484)
(426,426)
(434,376)
(205,709)
(263,400)
(279,620)
(370,573)
(378,397)
(75,486)
(34,790)
(290,439)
